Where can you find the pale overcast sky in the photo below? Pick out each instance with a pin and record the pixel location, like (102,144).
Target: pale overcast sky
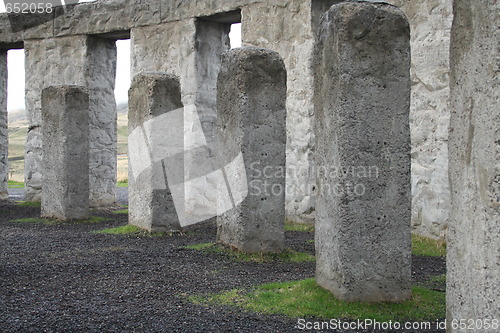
(15,60)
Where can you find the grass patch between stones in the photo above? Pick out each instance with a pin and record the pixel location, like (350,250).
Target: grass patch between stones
(14,184)
(132,230)
(291,226)
(299,299)
(122,211)
(423,246)
(122,184)
(36,204)
(92,219)
(286,256)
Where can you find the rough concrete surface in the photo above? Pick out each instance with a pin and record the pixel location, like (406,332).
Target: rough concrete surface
(79,60)
(285,27)
(430,23)
(251,97)
(151,204)
(362,101)
(65,184)
(4,134)
(168,36)
(473,264)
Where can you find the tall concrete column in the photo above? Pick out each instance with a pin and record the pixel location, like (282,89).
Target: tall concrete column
(473,260)
(285,27)
(251,102)
(362,100)
(65,181)
(4,134)
(78,60)
(190,49)
(103,131)
(156,131)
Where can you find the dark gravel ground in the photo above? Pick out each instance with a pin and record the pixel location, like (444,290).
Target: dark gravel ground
(63,278)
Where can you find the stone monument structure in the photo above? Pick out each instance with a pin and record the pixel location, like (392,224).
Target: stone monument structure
(251,98)
(473,264)
(75,45)
(362,104)
(65,184)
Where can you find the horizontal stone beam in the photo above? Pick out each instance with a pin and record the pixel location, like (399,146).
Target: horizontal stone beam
(110,18)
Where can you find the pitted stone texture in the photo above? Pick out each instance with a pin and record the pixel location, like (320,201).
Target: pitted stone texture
(473,264)
(103,131)
(151,204)
(190,49)
(48,62)
(251,97)
(285,27)
(84,61)
(430,23)
(105,16)
(4,134)
(362,101)
(65,189)
(168,48)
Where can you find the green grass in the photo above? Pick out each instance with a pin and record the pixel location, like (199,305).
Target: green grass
(92,219)
(285,256)
(131,230)
(299,299)
(29,220)
(122,211)
(36,204)
(14,184)
(291,226)
(423,246)
(122,184)
(438,278)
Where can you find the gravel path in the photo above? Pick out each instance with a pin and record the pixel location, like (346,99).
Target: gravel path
(63,278)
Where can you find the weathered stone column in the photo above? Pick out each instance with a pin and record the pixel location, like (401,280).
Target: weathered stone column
(4,134)
(362,100)
(103,131)
(65,181)
(473,261)
(251,97)
(152,138)
(85,61)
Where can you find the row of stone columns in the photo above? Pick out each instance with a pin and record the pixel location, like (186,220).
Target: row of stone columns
(361,106)
(362,126)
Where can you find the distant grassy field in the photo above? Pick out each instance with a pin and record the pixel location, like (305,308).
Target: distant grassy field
(17,140)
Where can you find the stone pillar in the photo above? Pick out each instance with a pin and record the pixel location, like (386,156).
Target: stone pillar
(103,131)
(473,261)
(4,134)
(362,100)
(251,98)
(285,27)
(65,184)
(78,60)
(190,49)
(430,23)
(152,99)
